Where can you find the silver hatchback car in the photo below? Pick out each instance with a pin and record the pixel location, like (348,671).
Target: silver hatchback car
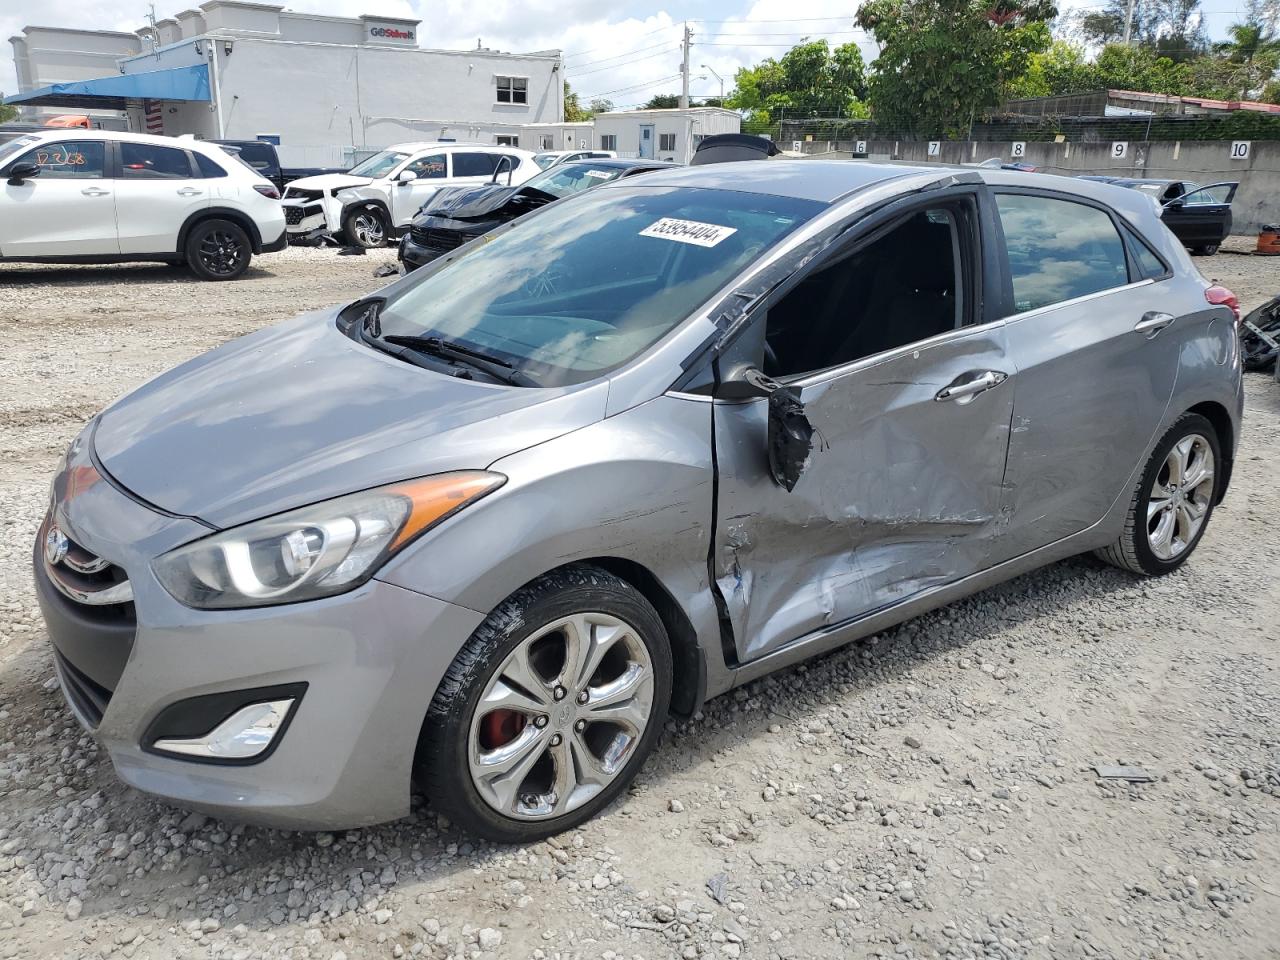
(489,526)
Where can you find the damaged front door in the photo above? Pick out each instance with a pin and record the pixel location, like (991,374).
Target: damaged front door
(909,398)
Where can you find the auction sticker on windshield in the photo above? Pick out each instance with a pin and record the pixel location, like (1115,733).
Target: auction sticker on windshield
(688,231)
(598,174)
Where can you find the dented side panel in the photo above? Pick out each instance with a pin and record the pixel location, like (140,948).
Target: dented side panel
(900,493)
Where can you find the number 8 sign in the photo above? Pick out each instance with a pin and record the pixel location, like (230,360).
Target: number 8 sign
(1119,149)
(1019,149)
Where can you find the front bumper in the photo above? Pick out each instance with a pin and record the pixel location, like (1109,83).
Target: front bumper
(370,661)
(414,255)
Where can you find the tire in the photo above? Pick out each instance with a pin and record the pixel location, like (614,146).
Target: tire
(366,227)
(1142,548)
(528,637)
(218,250)
(1206,250)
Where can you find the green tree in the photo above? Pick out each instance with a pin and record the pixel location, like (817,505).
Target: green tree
(8,112)
(663,101)
(1253,56)
(809,80)
(1120,67)
(601,105)
(573,109)
(944,64)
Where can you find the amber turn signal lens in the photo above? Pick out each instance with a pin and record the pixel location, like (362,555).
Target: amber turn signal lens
(435,498)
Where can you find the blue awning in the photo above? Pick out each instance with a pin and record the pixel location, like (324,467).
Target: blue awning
(115,93)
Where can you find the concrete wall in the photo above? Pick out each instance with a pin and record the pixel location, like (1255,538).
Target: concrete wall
(1209,161)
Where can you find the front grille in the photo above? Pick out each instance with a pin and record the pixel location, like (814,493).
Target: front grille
(298,193)
(295,215)
(98,586)
(89,699)
(438,239)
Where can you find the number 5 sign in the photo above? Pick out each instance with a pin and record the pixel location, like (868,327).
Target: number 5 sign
(1240,149)
(1119,150)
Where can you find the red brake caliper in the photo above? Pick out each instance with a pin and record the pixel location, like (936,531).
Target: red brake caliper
(501,727)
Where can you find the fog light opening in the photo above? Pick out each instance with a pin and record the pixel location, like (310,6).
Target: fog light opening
(243,735)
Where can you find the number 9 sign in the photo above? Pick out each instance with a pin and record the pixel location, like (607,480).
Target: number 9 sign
(1119,149)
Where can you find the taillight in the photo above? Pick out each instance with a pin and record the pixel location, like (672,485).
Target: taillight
(268,190)
(1220,296)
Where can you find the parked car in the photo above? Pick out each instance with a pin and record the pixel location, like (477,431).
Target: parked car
(102,196)
(549,158)
(997,163)
(1199,216)
(265,160)
(732,147)
(457,215)
(491,523)
(374,201)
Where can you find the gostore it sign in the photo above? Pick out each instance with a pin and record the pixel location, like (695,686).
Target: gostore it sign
(387,33)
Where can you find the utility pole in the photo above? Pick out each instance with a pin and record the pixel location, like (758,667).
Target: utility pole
(1128,22)
(684,67)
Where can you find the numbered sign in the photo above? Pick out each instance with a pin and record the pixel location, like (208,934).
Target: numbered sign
(795,146)
(1240,149)
(1119,150)
(860,146)
(1019,150)
(935,148)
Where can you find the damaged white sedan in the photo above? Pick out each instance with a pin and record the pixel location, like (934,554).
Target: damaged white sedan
(488,526)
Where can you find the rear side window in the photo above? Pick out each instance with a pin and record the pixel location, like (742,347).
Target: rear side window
(473,164)
(144,161)
(1149,263)
(1059,250)
(208,167)
(69,160)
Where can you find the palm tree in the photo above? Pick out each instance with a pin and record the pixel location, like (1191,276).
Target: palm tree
(1254,50)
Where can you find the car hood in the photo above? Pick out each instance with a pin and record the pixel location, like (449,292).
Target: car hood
(465,203)
(328,181)
(299,413)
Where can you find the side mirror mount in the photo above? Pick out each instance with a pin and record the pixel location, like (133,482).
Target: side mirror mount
(407,176)
(746,382)
(21,172)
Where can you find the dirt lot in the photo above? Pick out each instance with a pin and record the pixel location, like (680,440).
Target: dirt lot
(926,793)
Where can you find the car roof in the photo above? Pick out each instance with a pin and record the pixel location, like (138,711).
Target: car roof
(124,136)
(622,163)
(415,146)
(822,180)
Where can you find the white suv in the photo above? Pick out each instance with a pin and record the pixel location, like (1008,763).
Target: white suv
(102,196)
(376,200)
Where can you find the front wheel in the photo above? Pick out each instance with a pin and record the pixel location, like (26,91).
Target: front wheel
(1172,503)
(365,227)
(218,250)
(550,708)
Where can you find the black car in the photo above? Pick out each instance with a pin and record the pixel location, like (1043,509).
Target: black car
(1198,216)
(455,215)
(263,158)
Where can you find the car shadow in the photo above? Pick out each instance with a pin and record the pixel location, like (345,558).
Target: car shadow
(91,275)
(230,857)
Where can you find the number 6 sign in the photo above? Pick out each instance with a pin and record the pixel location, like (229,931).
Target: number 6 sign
(1119,150)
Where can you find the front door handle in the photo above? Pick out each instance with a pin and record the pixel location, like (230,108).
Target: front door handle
(189,192)
(94,192)
(967,386)
(1153,322)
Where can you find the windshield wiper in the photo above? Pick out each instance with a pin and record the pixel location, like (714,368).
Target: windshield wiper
(495,367)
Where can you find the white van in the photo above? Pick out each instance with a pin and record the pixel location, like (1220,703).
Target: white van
(375,200)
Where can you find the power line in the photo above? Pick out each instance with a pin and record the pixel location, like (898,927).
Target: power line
(616,56)
(574,72)
(583,53)
(638,86)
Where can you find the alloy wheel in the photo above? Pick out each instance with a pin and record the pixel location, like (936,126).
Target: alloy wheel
(1180,497)
(367,229)
(561,717)
(221,252)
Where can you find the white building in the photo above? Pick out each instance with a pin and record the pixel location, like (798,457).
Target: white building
(318,86)
(557,136)
(662,134)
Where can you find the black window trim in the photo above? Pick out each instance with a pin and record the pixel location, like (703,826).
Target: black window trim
(1136,276)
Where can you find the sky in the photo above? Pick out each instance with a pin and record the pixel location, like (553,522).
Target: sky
(623,50)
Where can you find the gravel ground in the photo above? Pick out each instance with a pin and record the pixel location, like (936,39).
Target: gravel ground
(925,793)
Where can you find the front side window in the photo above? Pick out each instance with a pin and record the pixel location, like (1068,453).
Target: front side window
(666,141)
(430,168)
(1217,193)
(379,165)
(903,287)
(1059,250)
(69,160)
(143,161)
(608,141)
(588,284)
(513,89)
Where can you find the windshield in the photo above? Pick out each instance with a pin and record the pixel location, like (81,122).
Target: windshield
(379,165)
(569,178)
(586,285)
(15,147)
(544,160)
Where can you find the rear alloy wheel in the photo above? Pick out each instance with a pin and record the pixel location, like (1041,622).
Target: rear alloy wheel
(550,709)
(365,227)
(218,250)
(1173,501)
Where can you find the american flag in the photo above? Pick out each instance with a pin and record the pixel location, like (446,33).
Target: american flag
(155,116)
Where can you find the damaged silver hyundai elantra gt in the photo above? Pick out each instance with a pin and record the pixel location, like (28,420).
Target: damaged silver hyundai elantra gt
(492,524)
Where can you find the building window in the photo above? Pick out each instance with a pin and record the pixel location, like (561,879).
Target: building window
(609,141)
(504,141)
(666,141)
(513,90)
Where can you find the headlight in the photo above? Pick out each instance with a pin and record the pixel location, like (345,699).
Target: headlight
(315,551)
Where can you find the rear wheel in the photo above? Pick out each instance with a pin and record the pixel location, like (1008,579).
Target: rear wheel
(365,227)
(218,250)
(1173,500)
(1206,249)
(549,710)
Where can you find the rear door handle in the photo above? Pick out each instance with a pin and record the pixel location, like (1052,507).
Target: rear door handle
(189,192)
(94,192)
(1153,322)
(967,386)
